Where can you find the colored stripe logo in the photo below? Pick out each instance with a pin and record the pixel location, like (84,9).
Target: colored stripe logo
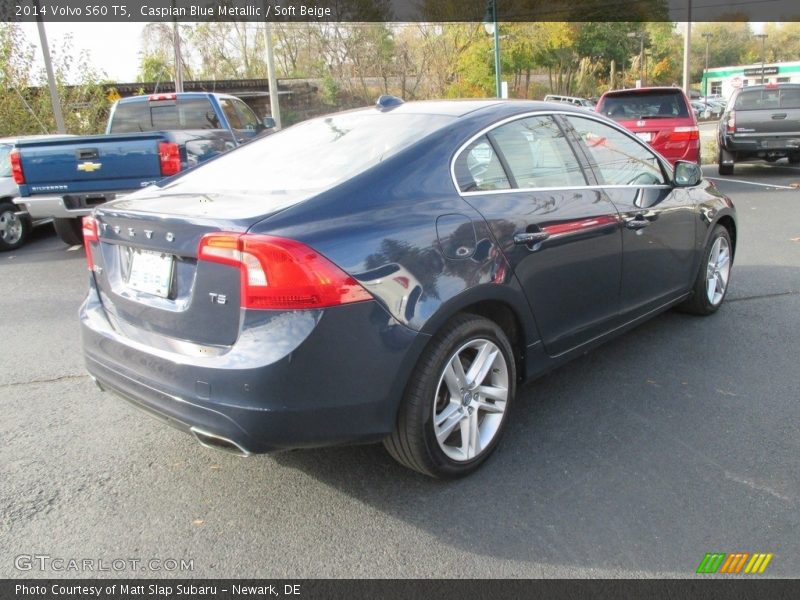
(734,563)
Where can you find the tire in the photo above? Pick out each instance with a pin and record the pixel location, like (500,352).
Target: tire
(723,169)
(69,230)
(14,230)
(715,270)
(452,406)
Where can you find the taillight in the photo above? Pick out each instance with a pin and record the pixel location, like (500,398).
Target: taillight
(278,273)
(160,97)
(730,126)
(16,167)
(90,234)
(169,155)
(684,134)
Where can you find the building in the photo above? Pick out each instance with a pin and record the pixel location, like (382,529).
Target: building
(724,80)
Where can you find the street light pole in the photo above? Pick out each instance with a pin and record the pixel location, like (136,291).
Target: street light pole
(492,27)
(762,37)
(640,35)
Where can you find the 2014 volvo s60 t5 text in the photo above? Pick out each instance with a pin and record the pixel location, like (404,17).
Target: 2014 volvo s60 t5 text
(393,273)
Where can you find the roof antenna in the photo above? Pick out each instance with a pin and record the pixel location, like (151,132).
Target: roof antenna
(387,102)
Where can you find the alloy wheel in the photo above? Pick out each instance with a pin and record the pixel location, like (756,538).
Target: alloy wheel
(718,270)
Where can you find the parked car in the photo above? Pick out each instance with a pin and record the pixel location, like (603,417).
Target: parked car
(15,226)
(701,111)
(661,116)
(760,122)
(147,138)
(575,101)
(392,273)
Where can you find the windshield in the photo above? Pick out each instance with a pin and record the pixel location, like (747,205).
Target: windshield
(5,163)
(645,105)
(311,156)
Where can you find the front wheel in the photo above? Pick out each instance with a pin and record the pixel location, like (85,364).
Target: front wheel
(455,406)
(69,230)
(711,284)
(14,229)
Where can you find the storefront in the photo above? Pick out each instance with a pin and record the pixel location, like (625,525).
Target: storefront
(724,80)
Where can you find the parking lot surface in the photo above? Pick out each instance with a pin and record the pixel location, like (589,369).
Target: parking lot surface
(680,438)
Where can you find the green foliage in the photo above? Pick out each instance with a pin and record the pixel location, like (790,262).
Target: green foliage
(25,106)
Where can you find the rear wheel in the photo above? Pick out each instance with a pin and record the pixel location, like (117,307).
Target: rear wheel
(455,407)
(14,229)
(711,284)
(69,230)
(722,168)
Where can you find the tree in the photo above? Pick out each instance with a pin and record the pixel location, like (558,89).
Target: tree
(25,106)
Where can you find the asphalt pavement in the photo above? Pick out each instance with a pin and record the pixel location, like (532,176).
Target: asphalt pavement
(678,439)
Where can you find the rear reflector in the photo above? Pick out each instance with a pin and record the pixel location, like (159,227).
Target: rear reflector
(90,234)
(730,126)
(281,274)
(16,167)
(684,134)
(169,155)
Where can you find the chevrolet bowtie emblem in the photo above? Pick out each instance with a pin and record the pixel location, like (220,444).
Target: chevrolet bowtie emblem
(89,166)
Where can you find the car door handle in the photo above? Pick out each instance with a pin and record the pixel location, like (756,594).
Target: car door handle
(778,116)
(638,222)
(530,238)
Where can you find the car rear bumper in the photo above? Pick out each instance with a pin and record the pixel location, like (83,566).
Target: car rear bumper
(66,206)
(303,379)
(684,150)
(760,145)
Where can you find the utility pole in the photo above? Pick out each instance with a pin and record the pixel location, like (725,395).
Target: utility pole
(51,79)
(176,50)
(641,35)
(274,105)
(707,37)
(687,49)
(762,37)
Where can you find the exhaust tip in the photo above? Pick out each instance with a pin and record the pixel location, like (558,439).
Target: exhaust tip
(217,442)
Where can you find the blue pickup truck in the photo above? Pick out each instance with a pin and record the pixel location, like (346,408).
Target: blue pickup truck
(147,139)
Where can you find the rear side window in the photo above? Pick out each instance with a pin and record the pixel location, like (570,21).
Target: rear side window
(186,113)
(478,168)
(538,154)
(5,162)
(768,99)
(663,104)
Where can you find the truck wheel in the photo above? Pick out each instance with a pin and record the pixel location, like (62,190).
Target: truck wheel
(723,169)
(69,230)
(14,229)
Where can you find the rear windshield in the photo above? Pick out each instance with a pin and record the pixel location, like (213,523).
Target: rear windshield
(768,99)
(658,104)
(311,156)
(159,115)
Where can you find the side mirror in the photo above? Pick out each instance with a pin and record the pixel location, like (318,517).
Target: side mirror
(687,174)
(268,123)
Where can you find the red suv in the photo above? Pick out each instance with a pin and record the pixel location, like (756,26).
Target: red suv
(661,116)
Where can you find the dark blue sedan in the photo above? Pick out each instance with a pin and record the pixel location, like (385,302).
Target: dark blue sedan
(393,274)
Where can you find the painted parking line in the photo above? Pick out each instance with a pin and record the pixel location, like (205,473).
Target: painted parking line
(73,248)
(760,184)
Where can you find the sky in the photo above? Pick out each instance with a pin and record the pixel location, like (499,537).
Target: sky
(113,47)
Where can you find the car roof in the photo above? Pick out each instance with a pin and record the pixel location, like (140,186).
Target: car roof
(469,107)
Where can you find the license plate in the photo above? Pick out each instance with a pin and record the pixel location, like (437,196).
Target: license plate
(645,136)
(773,144)
(151,272)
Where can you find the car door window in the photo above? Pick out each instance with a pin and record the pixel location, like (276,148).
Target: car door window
(246,115)
(620,159)
(230,113)
(538,154)
(478,168)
